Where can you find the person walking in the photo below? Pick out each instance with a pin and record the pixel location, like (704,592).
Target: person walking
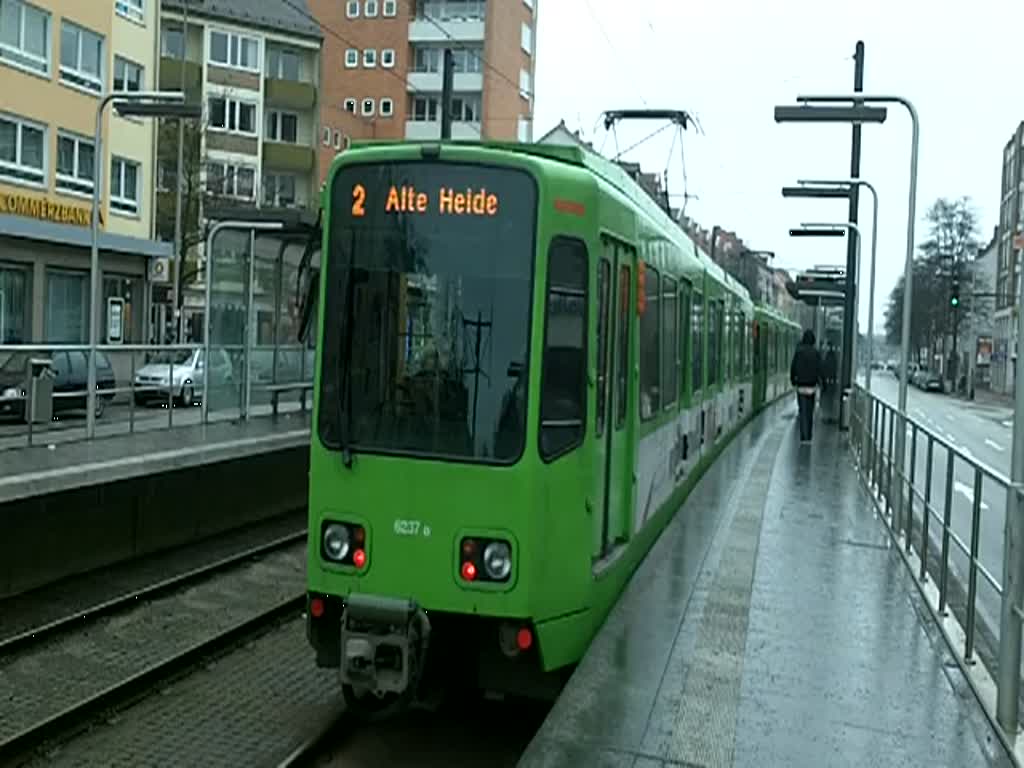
(805,373)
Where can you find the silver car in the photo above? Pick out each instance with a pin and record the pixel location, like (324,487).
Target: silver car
(180,374)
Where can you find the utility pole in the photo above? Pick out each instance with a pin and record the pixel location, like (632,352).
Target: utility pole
(446,95)
(180,179)
(851,303)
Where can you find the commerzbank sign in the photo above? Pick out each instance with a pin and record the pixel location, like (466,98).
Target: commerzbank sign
(46,210)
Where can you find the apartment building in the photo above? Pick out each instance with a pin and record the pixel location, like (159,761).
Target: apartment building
(57,59)
(383,69)
(1008,263)
(255,67)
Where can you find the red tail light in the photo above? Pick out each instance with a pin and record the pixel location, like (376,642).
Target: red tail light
(468,571)
(359,558)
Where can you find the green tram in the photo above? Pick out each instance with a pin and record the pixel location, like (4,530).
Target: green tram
(523,366)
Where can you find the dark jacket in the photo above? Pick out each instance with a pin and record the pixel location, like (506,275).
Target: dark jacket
(806,368)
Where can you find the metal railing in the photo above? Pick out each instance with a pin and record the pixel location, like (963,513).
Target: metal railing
(933,532)
(287,370)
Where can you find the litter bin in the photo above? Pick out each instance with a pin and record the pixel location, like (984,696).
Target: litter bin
(40,390)
(844,411)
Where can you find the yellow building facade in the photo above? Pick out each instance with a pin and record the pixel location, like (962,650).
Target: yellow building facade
(58,58)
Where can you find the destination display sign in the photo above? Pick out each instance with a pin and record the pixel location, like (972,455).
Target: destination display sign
(447,201)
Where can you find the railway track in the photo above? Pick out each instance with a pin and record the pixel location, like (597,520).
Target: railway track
(69,622)
(69,672)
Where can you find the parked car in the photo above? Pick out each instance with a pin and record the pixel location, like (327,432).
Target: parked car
(929,380)
(180,374)
(70,384)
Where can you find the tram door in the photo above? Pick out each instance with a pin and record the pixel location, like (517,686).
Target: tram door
(613,427)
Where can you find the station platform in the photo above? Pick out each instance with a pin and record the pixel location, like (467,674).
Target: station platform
(772,624)
(49,468)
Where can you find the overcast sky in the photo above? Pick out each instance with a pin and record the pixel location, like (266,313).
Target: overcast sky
(731,61)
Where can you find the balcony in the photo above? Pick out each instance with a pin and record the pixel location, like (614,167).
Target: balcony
(422,31)
(433,82)
(289,94)
(422,130)
(170,77)
(295,158)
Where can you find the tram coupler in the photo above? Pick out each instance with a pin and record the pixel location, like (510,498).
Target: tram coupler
(383,643)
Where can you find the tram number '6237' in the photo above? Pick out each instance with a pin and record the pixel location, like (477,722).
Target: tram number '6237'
(411,528)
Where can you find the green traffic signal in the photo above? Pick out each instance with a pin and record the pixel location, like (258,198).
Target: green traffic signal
(954,301)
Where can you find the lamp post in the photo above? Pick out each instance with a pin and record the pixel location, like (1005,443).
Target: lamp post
(135,104)
(825,188)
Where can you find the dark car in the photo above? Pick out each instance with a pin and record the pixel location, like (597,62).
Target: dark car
(71,375)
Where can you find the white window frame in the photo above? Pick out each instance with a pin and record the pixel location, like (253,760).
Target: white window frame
(274,116)
(528,4)
(389,9)
(371,8)
(234,167)
(362,107)
(353,103)
(526,38)
(352,9)
(133,10)
(119,204)
(232,110)
(15,172)
(387,57)
(337,139)
(75,184)
(327,136)
(281,51)
(276,200)
(525,84)
(351,58)
(128,62)
(389,111)
(18,56)
(75,76)
(370,58)
(236,38)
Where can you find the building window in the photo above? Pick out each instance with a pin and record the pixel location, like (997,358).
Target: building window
(66,306)
(22,150)
(284,64)
(25,35)
(370,57)
(230,180)
(81,57)
(352,9)
(124,186)
(563,402)
(127,75)
(283,126)
(279,190)
(390,8)
(166,176)
(350,105)
(524,84)
(368,107)
(327,136)
(387,57)
(337,139)
(452,10)
(524,130)
(528,4)
(466,109)
(131,9)
(228,49)
(387,107)
(527,39)
(75,164)
(232,115)
(424,109)
(370,9)
(351,58)
(172,42)
(15,304)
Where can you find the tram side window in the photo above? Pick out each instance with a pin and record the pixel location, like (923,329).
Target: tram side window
(563,377)
(740,339)
(684,330)
(713,330)
(622,332)
(604,278)
(697,338)
(650,346)
(669,328)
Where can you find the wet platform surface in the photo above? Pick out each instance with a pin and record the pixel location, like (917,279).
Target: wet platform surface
(772,624)
(43,469)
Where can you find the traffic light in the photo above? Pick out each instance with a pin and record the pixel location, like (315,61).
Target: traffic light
(954,294)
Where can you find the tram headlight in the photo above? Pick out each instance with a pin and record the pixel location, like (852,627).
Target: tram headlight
(336,544)
(498,560)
